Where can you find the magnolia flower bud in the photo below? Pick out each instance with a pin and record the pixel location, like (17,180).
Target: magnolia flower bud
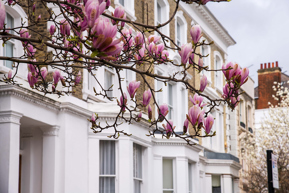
(33,7)
(169,128)
(150,113)
(204,83)
(78,78)
(186,125)
(44,72)
(56,77)
(139,116)
(185,53)
(122,102)
(209,123)
(132,88)
(163,111)
(196,33)
(52,29)
(10,74)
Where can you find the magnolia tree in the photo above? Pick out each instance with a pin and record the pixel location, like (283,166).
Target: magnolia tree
(84,35)
(272,135)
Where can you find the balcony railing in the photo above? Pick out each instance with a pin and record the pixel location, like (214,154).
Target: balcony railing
(242,124)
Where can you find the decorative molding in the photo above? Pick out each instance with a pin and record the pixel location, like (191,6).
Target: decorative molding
(10,117)
(50,130)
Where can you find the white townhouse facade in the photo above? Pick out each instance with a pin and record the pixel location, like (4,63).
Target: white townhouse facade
(46,144)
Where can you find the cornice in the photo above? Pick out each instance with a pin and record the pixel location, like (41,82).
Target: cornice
(10,117)
(221,162)
(212,20)
(176,142)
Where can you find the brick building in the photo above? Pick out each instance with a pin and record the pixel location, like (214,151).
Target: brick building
(51,148)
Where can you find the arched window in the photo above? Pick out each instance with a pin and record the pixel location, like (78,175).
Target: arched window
(162,10)
(180,29)
(13,47)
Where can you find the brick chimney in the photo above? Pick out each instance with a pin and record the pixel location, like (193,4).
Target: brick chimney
(266,79)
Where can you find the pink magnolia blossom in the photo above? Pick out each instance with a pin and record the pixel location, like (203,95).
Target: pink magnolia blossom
(201,62)
(93,118)
(139,39)
(31,68)
(93,9)
(64,28)
(185,53)
(154,38)
(31,79)
(164,56)
(24,33)
(119,13)
(197,100)
(191,58)
(186,125)
(244,75)
(104,39)
(163,111)
(146,97)
(228,90)
(106,1)
(127,38)
(204,82)
(193,114)
(228,70)
(10,2)
(9,74)
(150,113)
(30,50)
(56,77)
(196,33)
(132,88)
(208,123)
(52,29)
(140,54)
(44,72)
(33,7)
(204,2)
(139,116)
(169,127)
(2,15)
(78,78)
(122,102)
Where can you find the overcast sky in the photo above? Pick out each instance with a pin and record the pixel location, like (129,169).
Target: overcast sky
(261,30)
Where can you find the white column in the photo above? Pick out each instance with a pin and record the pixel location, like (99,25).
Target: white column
(208,183)
(236,185)
(49,159)
(227,183)
(93,165)
(125,165)
(181,175)
(158,174)
(9,151)
(148,170)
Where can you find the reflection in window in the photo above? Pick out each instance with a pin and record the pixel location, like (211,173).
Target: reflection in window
(137,167)
(168,178)
(9,45)
(178,34)
(107,167)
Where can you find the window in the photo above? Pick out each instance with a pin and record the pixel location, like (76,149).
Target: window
(9,45)
(249,117)
(184,108)
(170,101)
(205,50)
(159,95)
(108,82)
(218,74)
(240,111)
(137,167)
(168,178)
(178,34)
(220,133)
(121,2)
(216,184)
(190,177)
(161,13)
(107,167)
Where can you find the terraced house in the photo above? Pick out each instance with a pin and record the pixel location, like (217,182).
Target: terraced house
(47,146)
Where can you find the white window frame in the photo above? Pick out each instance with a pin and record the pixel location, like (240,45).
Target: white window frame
(174,174)
(165,8)
(180,19)
(218,74)
(142,175)
(128,7)
(17,13)
(105,175)
(172,108)
(206,60)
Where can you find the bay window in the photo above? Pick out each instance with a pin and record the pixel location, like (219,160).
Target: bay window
(107,167)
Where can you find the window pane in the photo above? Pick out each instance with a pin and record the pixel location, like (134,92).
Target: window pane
(107,157)
(108,82)
(107,185)
(159,10)
(121,2)
(159,94)
(9,53)
(137,185)
(170,95)
(190,178)
(168,174)
(137,161)
(9,22)
(184,98)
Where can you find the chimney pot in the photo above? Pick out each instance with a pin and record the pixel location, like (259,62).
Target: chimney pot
(272,64)
(269,65)
(261,66)
(265,65)
(276,63)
